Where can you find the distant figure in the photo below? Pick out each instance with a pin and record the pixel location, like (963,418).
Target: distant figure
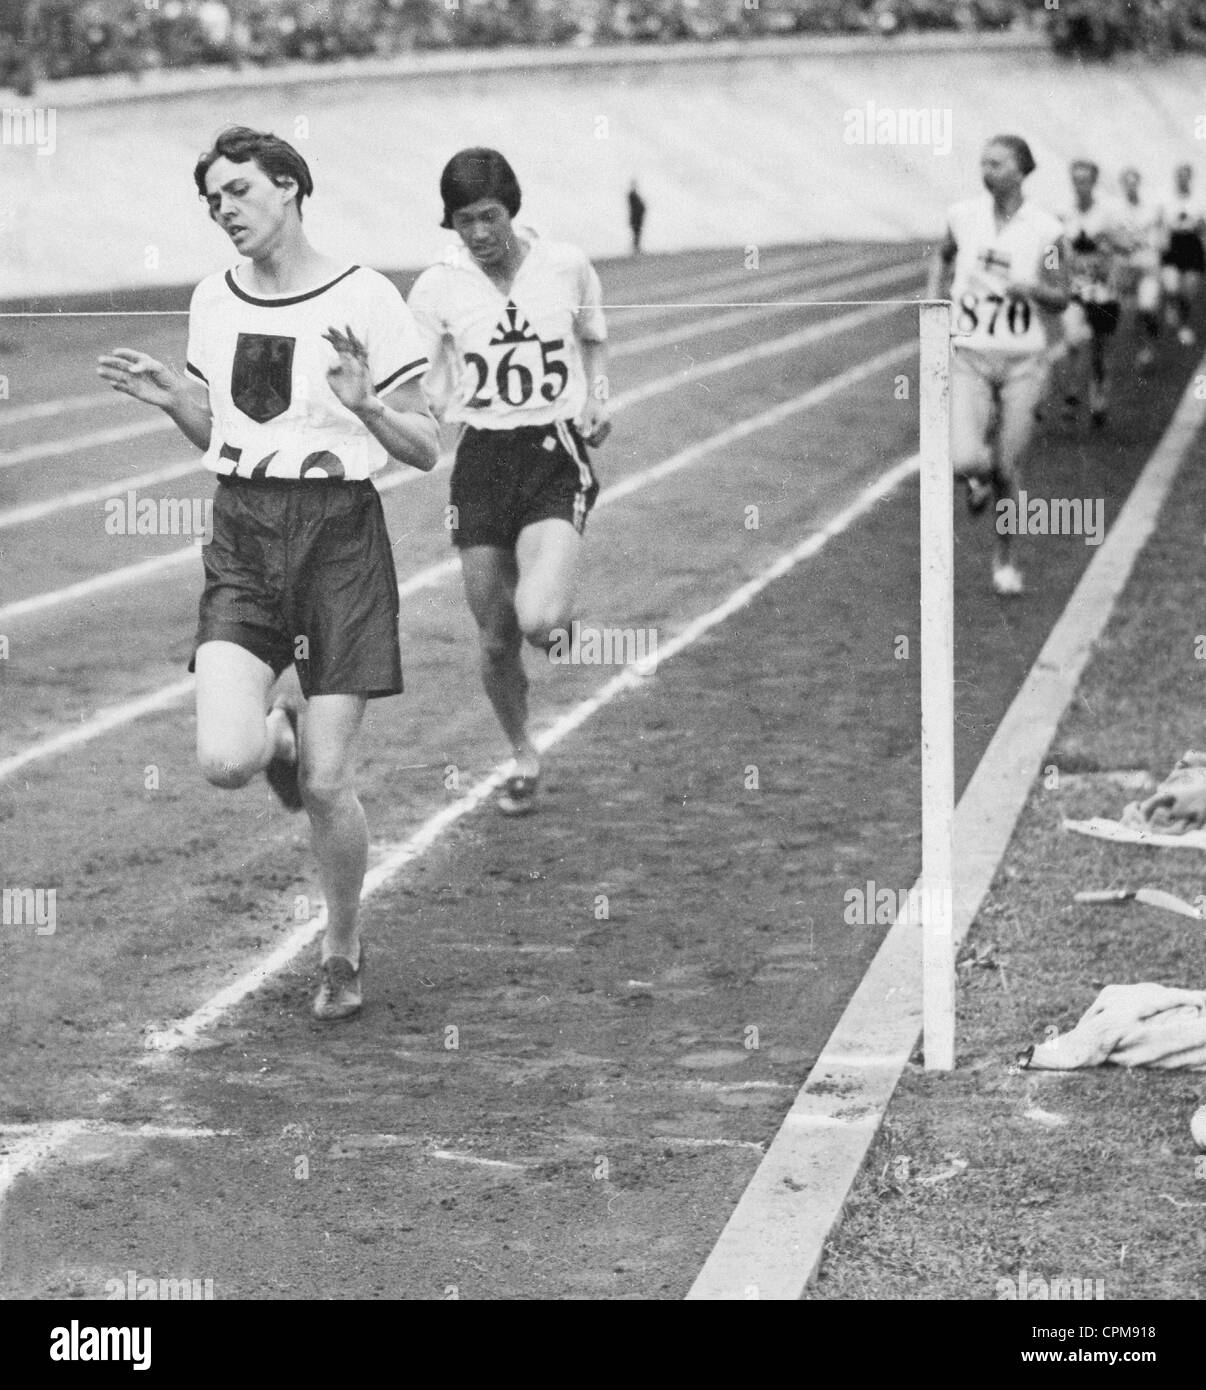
(636,217)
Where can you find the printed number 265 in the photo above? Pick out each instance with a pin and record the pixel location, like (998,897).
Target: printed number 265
(513,381)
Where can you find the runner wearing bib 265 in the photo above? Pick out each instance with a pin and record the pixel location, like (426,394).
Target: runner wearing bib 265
(514,327)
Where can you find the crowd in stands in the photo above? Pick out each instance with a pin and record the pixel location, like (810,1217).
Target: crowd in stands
(65,38)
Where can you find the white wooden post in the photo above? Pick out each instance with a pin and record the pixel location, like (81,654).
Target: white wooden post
(937,690)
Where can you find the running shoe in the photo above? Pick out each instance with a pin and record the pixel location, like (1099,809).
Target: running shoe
(978,493)
(341,993)
(1007,580)
(517,796)
(282,773)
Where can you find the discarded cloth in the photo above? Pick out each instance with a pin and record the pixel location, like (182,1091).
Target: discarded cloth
(1146,1025)
(1129,834)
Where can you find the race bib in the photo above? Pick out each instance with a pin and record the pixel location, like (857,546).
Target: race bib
(516,368)
(992,321)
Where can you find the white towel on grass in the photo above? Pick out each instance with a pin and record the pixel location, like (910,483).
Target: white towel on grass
(1145,1025)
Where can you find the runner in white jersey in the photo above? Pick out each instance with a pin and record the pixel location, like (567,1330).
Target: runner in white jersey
(303,377)
(1009,267)
(1184,258)
(515,329)
(1095,245)
(1141,230)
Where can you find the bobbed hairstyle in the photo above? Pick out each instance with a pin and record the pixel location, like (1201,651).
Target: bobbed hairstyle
(477,173)
(1019,149)
(276,157)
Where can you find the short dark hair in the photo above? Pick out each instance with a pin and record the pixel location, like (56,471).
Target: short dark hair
(276,157)
(1090,164)
(1019,149)
(477,173)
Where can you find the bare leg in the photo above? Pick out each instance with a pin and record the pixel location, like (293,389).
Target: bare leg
(329,727)
(236,737)
(491,575)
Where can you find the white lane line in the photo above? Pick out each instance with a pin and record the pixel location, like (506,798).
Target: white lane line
(55,448)
(801,338)
(33,1144)
(775,1239)
(47,410)
(104,722)
(854,284)
(455,1156)
(444,569)
(395,859)
(757,310)
(84,497)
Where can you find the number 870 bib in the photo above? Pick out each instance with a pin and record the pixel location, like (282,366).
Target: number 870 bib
(991,321)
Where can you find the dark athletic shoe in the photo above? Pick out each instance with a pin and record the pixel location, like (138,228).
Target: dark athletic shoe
(517,796)
(282,776)
(341,993)
(978,494)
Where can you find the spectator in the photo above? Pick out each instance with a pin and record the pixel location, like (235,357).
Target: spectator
(636,216)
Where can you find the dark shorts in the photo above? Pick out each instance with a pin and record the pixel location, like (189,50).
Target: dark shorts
(1102,316)
(504,480)
(303,573)
(1185,252)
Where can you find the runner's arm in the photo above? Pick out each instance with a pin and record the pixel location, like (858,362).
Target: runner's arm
(403,425)
(184,401)
(593,419)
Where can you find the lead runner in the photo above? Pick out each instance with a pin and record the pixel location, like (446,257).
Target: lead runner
(514,326)
(303,377)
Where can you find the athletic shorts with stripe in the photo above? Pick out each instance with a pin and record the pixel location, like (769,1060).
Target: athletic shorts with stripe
(302,572)
(504,480)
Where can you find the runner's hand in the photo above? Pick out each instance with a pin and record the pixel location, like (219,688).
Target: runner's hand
(349,377)
(593,424)
(143,377)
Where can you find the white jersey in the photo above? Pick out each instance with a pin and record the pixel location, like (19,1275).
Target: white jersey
(505,360)
(265,362)
(1093,234)
(1141,230)
(988,259)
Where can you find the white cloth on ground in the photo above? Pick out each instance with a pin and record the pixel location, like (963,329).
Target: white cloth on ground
(1144,1025)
